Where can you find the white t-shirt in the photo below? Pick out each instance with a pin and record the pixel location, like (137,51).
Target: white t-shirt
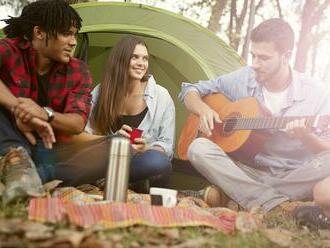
(275,101)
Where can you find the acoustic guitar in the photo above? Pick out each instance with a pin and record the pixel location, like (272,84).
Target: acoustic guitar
(240,119)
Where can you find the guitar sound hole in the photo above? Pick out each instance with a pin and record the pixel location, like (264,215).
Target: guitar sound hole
(229,125)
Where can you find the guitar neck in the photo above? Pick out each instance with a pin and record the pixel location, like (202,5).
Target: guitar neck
(268,122)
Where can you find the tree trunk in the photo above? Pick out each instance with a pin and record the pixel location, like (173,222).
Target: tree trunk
(216,13)
(259,5)
(231,22)
(311,16)
(305,38)
(235,30)
(239,24)
(246,46)
(279,9)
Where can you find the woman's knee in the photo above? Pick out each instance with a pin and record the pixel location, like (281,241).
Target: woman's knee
(321,193)
(153,160)
(160,160)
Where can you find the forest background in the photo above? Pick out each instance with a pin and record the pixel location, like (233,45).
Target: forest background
(233,20)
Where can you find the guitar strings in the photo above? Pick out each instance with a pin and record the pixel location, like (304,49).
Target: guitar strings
(263,122)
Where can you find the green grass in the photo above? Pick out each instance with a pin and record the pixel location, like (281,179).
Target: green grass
(15,210)
(188,237)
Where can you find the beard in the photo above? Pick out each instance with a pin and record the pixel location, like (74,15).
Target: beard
(263,76)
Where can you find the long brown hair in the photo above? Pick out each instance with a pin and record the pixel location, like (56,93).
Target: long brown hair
(114,86)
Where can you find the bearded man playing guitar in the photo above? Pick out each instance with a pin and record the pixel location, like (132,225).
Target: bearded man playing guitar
(291,156)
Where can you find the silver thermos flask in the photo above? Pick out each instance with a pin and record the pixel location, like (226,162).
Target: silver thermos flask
(117,177)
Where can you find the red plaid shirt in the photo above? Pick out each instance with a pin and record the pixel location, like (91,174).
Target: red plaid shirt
(69,84)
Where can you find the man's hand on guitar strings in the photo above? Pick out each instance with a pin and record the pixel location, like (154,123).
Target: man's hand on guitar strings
(206,120)
(298,129)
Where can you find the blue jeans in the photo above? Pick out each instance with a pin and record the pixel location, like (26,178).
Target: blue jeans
(89,162)
(10,136)
(153,165)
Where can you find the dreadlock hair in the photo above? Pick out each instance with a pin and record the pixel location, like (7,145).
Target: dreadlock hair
(52,16)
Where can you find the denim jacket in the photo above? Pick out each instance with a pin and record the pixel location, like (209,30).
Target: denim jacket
(306,96)
(158,124)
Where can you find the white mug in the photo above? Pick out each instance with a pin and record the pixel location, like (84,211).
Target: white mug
(164,197)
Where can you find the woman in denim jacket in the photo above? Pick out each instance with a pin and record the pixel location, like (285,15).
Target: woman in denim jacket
(127,98)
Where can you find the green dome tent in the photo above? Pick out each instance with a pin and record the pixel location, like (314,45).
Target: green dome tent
(180,50)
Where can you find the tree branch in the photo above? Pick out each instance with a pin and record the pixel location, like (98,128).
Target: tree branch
(241,17)
(216,13)
(279,8)
(318,13)
(259,5)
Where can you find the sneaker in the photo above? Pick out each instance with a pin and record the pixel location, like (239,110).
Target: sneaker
(20,176)
(287,208)
(211,195)
(312,217)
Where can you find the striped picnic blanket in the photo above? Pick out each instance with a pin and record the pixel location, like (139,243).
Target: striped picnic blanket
(112,215)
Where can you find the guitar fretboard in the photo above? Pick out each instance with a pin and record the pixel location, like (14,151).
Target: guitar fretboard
(265,122)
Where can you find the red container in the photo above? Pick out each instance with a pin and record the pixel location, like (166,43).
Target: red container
(136,133)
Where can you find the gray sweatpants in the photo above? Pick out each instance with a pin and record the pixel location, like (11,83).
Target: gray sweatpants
(251,187)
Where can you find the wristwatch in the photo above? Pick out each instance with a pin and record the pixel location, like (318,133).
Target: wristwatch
(50,113)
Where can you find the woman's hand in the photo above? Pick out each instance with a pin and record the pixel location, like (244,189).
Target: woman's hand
(125,130)
(140,145)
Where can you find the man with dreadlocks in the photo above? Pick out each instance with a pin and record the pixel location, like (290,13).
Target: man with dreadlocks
(45,97)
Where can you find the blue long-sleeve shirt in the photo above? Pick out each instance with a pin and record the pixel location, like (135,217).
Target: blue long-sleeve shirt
(306,96)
